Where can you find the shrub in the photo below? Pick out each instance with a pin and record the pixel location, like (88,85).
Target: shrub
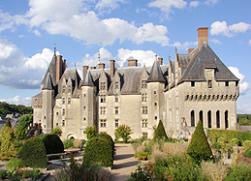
(214,171)
(142,155)
(199,148)
(68,143)
(33,153)
(175,148)
(90,132)
(247,144)
(235,142)
(159,132)
(98,151)
(22,126)
(13,164)
(77,143)
(109,140)
(247,153)
(3,174)
(239,173)
(123,132)
(53,144)
(140,175)
(56,131)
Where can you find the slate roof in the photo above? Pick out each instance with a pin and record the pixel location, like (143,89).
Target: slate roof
(52,71)
(47,83)
(156,74)
(88,80)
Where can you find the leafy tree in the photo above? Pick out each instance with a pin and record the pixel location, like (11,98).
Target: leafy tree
(123,132)
(22,126)
(90,132)
(6,108)
(199,148)
(56,131)
(159,132)
(7,147)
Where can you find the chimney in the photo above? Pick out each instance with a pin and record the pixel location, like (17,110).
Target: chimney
(160,60)
(132,62)
(85,69)
(101,65)
(202,36)
(189,50)
(59,67)
(112,67)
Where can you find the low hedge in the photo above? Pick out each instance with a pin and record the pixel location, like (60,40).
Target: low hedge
(98,151)
(53,144)
(228,135)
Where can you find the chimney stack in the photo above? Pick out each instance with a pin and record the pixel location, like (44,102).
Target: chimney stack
(85,69)
(160,60)
(101,65)
(59,67)
(132,62)
(112,67)
(202,36)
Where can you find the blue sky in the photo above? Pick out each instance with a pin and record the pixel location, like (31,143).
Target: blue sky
(119,29)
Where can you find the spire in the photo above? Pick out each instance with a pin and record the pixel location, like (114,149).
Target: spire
(47,83)
(99,57)
(88,81)
(55,49)
(156,74)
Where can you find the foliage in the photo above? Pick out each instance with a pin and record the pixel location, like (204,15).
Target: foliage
(175,148)
(123,132)
(247,153)
(214,171)
(159,132)
(235,142)
(13,164)
(199,148)
(247,144)
(68,143)
(90,132)
(56,131)
(140,174)
(240,172)
(244,119)
(98,151)
(20,175)
(109,140)
(33,153)
(77,143)
(22,126)
(3,174)
(142,155)
(53,144)
(7,147)
(6,108)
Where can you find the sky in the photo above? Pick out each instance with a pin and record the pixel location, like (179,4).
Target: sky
(116,29)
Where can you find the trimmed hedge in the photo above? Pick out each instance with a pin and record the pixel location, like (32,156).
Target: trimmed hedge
(107,137)
(228,135)
(33,153)
(53,144)
(159,132)
(199,148)
(98,151)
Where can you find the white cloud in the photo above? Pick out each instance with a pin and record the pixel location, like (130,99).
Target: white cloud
(211,2)
(222,28)
(249,42)
(216,41)
(243,84)
(18,100)
(194,4)
(19,71)
(108,5)
(184,45)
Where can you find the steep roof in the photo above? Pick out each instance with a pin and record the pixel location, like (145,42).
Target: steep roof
(52,71)
(47,83)
(205,58)
(88,80)
(156,74)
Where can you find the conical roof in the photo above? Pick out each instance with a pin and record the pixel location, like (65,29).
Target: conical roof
(88,81)
(47,85)
(156,74)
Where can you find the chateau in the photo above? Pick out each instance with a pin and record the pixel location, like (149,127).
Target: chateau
(194,86)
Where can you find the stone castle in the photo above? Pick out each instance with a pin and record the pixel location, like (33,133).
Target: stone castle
(195,86)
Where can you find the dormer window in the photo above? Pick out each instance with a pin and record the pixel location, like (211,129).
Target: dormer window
(69,100)
(102,99)
(192,83)
(63,101)
(116,85)
(63,90)
(209,84)
(226,83)
(102,86)
(143,84)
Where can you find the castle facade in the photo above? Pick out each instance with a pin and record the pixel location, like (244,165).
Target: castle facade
(195,86)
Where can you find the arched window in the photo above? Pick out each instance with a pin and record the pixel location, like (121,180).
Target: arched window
(226,119)
(201,116)
(192,119)
(209,119)
(218,119)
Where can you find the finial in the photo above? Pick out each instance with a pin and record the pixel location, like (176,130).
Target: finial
(55,49)
(99,57)
(156,57)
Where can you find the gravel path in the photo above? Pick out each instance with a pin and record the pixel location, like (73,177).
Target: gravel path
(124,162)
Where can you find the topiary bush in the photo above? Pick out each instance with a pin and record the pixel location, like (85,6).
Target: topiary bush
(109,140)
(199,148)
(160,133)
(98,151)
(53,144)
(33,153)
(123,132)
(90,132)
(239,173)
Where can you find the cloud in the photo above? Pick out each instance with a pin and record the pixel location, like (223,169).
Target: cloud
(194,4)
(19,71)
(211,2)
(108,5)
(243,84)
(18,100)
(222,28)
(184,45)
(249,42)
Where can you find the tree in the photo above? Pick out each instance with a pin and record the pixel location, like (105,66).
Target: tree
(123,132)
(90,132)
(22,126)
(199,148)
(159,132)
(56,131)
(53,144)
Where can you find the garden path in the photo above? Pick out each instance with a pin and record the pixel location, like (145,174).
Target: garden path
(124,162)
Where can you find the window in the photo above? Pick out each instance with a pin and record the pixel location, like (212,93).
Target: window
(63,90)
(154,92)
(116,85)
(192,119)
(56,124)
(84,95)
(84,107)
(155,117)
(192,84)
(57,113)
(63,123)
(102,99)
(84,118)
(144,123)
(102,86)
(218,119)
(69,100)
(209,119)
(116,123)
(63,101)
(201,116)
(226,119)
(116,110)
(226,83)
(143,84)
(102,123)
(144,97)
(155,104)
(145,135)
(209,84)
(116,99)
(102,110)
(236,83)
(63,112)
(144,110)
